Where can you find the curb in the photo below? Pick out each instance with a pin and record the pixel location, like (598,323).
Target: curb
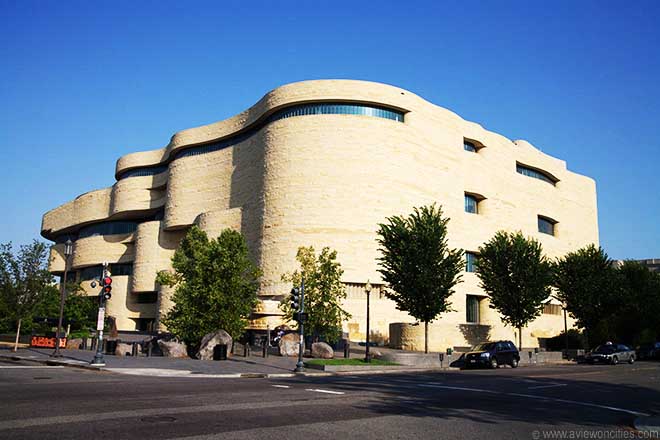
(52,362)
(318,373)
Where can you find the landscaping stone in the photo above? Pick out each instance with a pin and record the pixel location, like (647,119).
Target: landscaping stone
(322,350)
(124,349)
(73,344)
(210,340)
(173,349)
(288,345)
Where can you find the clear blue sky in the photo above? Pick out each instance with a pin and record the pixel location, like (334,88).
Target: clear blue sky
(83,83)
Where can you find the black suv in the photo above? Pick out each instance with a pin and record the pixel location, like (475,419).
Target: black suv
(493,354)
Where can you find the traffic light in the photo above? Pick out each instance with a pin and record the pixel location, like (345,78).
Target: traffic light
(107,288)
(295,299)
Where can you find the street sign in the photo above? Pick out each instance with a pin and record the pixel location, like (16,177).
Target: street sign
(99,322)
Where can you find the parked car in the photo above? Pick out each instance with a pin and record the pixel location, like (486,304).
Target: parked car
(648,351)
(611,354)
(492,355)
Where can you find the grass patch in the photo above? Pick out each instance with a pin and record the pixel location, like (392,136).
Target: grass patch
(374,362)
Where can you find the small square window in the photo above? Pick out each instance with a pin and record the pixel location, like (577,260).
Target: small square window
(471,203)
(546,226)
(469,146)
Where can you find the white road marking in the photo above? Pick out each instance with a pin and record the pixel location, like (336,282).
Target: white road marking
(324,391)
(476,390)
(574,402)
(26,367)
(547,386)
(281,386)
(534,396)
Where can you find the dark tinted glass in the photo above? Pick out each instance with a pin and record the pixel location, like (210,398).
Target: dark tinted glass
(529,172)
(546,226)
(293,111)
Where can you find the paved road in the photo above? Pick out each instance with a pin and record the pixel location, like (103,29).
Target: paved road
(539,402)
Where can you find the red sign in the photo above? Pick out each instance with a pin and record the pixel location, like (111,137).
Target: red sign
(44,342)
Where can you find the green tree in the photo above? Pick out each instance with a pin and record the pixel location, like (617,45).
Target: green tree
(587,283)
(637,313)
(216,286)
(324,292)
(24,280)
(516,275)
(79,309)
(418,265)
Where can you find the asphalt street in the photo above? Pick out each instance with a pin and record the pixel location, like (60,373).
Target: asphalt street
(41,402)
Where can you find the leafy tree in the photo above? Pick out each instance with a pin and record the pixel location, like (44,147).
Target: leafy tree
(216,285)
(79,309)
(24,280)
(418,264)
(324,292)
(637,314)
(587,283)
(516,276)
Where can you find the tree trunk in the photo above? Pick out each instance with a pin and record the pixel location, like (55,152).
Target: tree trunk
(18,334)
(426,336)
(519,338)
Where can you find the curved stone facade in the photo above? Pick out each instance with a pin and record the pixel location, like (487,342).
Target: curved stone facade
(325,173)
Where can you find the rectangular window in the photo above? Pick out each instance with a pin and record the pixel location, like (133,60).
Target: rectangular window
(546,226)
(121,269)
(472,309)
(470,258)
(146,298)
(471,203)
(551,309)
(91,273)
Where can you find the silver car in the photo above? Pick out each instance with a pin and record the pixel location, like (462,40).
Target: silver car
(611,354)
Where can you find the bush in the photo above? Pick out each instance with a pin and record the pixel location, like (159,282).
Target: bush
(576,340)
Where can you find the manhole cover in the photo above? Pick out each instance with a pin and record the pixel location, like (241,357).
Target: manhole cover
(157,419)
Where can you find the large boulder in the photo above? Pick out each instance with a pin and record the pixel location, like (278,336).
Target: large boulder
(124,349)
(288,344)
(173,349)
(210,340)
(73,344)
(322,350)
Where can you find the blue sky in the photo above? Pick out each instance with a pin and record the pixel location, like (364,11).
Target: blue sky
(83,83)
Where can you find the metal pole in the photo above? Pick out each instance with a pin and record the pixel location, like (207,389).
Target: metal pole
(98,357)
(59,321)
(566,331)
(299,365)
(367,355)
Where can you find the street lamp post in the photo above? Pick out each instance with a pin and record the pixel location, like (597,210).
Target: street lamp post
(68,250)
(367,355)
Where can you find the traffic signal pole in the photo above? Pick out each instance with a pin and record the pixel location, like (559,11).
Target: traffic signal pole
(104,295)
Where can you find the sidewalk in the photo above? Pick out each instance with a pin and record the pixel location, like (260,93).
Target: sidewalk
(158,366)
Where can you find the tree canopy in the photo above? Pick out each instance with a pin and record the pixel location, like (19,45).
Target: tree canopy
(418,265)
(517,277)
(324,293)
(588,285)
(216,285)
(637,315)
(25,281)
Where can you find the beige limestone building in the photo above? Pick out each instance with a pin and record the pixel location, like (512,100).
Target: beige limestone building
(322,163)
